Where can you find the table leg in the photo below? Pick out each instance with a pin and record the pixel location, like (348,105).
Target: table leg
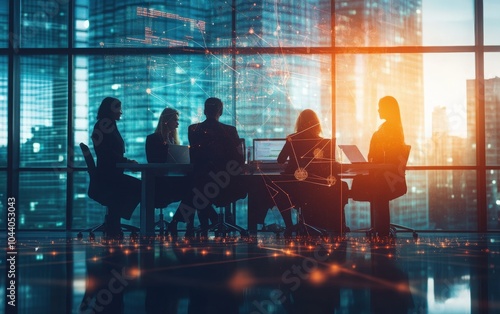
(147,204)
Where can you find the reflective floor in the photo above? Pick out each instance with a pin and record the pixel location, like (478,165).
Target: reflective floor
(439,273)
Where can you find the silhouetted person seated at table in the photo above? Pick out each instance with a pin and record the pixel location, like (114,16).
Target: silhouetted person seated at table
(386,147)
(122,189)
(168,189)
(310,163)
(217,161)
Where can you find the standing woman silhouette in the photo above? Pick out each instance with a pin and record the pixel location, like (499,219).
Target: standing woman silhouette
(386,146)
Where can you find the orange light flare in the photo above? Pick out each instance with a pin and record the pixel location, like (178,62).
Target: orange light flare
(134,272)
(317,277)
(335,269)
(241,280)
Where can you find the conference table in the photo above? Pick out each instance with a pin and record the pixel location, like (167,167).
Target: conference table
(254,175)
(149,172)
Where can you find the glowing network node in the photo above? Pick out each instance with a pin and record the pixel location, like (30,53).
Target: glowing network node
(300,174)
(318,153)
(331,180)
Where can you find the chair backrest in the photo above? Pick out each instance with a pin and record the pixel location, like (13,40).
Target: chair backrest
(96,190)
(89,159)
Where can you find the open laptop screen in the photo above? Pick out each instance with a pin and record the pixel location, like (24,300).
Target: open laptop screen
(353,153)
(267,149)
(178,154)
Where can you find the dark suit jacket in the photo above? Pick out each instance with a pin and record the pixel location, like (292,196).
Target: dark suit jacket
(213,144)
(156,151)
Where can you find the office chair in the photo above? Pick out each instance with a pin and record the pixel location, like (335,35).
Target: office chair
(161,224)
(223,227)
(97,193)
(394,228)
(226,203)
(320,210)
(303,229)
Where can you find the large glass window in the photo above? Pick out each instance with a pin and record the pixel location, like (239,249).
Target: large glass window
(362,80)
(379,23)
(493,199)
(286,23)
(433,91)
(267,60)
(44,111)
(4,24)
(492,144)
(273,89)
(146,85)
(491,105)
(171,24)
(436,200)
(44,24)
(491,22)
(447,22)
(42,199)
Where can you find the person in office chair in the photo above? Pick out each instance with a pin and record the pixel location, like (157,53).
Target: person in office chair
(386,147)
(124,190)
(310,159)
(157,143)
(217,160)
(170,189)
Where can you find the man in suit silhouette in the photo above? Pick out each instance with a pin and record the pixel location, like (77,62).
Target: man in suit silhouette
(217,160)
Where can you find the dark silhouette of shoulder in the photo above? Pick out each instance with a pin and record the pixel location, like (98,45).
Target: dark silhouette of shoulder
(156,149)
(213,142)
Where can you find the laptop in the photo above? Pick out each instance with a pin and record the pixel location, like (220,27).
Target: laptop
(178,154)
(266,150)
(353,153)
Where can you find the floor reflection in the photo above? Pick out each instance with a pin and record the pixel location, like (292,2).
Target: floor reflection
(437,274)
